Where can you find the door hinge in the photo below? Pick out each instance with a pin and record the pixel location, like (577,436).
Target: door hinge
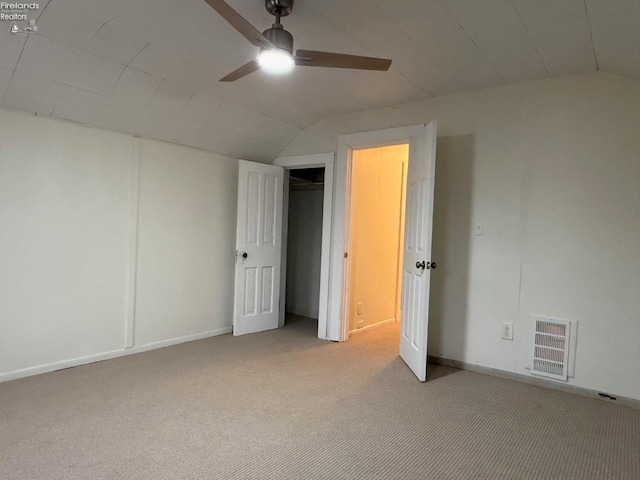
(346,254)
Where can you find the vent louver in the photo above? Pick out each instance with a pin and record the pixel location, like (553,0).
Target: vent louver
(551,348)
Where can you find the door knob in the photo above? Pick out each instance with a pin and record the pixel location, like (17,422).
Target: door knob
(420,265)
(244,255)
(431,265)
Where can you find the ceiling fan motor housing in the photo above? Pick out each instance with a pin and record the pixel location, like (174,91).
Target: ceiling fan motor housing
(281,7)
(280,37)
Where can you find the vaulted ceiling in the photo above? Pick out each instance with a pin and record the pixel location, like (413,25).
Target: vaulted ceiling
(151,67)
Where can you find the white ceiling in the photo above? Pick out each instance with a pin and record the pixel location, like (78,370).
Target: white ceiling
(151,67)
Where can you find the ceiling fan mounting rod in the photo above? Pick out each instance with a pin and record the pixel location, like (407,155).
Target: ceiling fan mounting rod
(277,35)
(279,8)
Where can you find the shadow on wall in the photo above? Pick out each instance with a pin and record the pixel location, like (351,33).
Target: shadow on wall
(452,223)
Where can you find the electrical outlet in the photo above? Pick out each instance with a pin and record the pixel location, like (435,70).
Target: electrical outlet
(478,227)
(507,331)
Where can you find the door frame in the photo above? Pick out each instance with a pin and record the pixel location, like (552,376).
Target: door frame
(318,160)
(338,325)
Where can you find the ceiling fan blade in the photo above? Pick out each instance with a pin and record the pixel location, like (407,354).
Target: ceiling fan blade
(243,71)
(312,58)
(240,24)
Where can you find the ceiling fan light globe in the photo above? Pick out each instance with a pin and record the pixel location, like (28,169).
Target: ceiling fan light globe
(276,61)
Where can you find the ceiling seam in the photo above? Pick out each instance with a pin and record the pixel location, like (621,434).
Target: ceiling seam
(64,84)
(80,52)
(116,17)
(106,98)
(73,86)
(136,56)
(104,105)
(475,44)
(117,81)
(367,48)
(257,113)
(188,101)
(155,91)
(101,27)
(533,44)
(435,60)
(284,149)
(83,49)
(65,43)
(391,20)
(44,9)
(593,45)
(55,105)
(414,83)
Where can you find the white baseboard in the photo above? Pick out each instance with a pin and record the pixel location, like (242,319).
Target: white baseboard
(75,362)
(540,382)
(304,311)
(373,325)
(176,341)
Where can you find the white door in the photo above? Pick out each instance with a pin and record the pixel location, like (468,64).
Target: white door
(417,263)
(258,248)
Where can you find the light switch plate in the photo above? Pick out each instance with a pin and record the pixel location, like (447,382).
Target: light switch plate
(478,227)
(507,331)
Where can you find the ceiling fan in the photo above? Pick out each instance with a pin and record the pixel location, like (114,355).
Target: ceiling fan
(276,45)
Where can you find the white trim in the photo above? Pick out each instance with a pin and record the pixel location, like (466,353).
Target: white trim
(74,362)
(403,208)
(283,255)
(338,326)
(325,259)
(132,266)
(327,161)
(305,161)
(373,325)
(533,380)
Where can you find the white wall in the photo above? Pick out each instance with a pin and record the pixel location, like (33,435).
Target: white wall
(64,200)
(552,170)
(304,247)
(186,242)
(66,215)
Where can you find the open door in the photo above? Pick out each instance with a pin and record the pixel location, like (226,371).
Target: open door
(258,248)
(417,264)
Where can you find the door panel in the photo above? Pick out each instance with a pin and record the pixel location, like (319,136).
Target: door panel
(267,289)
(417,249)
(258,248)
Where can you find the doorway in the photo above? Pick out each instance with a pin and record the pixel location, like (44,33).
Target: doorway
(300,164)
(416,256)
(334,267)
(304,247)
(376,233)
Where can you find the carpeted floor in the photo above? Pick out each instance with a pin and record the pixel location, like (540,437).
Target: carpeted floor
(285,405)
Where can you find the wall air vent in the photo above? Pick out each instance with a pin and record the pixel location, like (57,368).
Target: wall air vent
(551,348)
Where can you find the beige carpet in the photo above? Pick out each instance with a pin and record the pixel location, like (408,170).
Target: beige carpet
(284,405)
